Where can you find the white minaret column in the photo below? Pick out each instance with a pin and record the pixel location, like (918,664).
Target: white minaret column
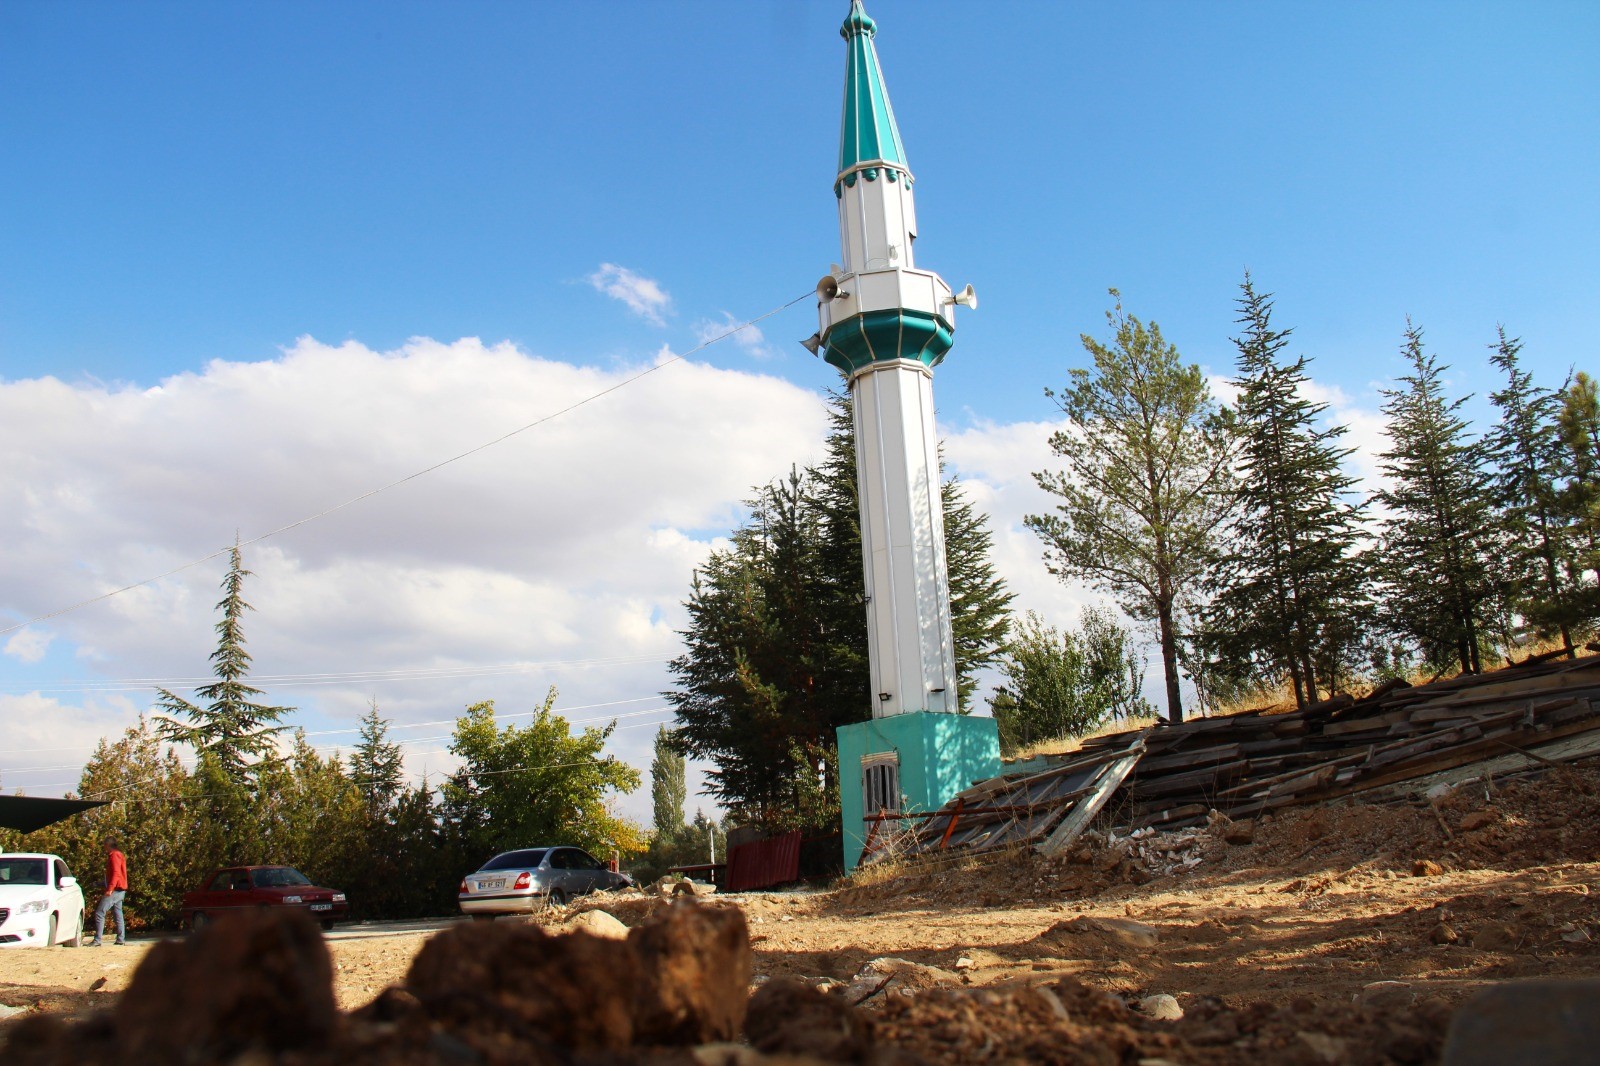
(886,325)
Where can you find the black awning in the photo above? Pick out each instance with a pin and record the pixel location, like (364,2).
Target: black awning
(27,813)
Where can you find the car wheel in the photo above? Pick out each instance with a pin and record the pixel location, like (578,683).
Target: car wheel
(327,925)
(483,917)
(50,937)
(557,898)
(77,938)
(198,921)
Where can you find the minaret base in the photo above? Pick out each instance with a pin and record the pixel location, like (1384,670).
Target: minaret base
(933,756)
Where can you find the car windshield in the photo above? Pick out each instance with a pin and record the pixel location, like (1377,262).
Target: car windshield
(24,871)
(278,877)
(517,860)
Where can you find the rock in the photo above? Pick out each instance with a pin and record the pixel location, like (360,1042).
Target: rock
(1477,820)
(1497,937)
(692,977)
(1443,934)
(1580,935)
(1387,995)
(1325,1047)
(890,973)
(97,984)
(1549,1022)
(964,963)
(253,979)
(1240,832)
(1126,930)
(598,923)
(1439,792)
(11,1012)
(1426,868)
(489,983)
(1161,1007)
(694,888)
(789,1017)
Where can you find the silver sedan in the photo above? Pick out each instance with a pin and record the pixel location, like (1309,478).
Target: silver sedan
(523,881)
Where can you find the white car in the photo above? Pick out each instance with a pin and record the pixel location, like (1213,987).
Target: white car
(40,902)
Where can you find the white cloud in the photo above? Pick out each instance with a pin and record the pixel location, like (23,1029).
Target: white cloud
(29,644)
(570,545)
(750,338)
(644,296)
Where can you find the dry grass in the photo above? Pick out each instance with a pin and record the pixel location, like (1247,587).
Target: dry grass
(1062,745)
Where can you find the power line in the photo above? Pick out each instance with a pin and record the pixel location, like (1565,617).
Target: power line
(333,677)
(411,477)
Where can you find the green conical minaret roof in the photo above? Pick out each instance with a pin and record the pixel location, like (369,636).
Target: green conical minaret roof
(868,132)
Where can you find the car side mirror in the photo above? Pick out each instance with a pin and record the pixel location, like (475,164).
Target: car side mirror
(69,881)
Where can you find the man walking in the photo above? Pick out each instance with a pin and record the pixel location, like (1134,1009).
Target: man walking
(116,889)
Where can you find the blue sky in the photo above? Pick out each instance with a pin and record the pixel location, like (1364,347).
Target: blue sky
(183,183)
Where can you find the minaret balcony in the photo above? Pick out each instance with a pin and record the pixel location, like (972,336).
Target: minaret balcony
(888,315)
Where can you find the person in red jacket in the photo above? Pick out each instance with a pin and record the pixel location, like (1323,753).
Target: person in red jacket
(116,889)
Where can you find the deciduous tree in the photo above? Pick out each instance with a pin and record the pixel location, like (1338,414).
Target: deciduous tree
(1146,487)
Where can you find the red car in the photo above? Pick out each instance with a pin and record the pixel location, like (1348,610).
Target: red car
(262,886)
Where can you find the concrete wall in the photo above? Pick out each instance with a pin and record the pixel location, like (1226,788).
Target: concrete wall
(940,755)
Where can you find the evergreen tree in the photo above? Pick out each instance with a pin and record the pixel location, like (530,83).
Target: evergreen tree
(1580,435)
(376,764)
(1290,593)
(1525,449)
(979,600)
(755,694)
(1437,588)
(1146,487)
(980,604)
(775,654)
(230,728)
(669,789)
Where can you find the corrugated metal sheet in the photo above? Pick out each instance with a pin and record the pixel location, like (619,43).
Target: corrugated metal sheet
(764,863)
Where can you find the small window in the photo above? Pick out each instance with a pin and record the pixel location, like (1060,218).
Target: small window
(222,882)
(587,861)
(880,783)
(516,860)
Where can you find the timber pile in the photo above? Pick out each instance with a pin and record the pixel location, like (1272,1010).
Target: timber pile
(1249,764)
(1397,740)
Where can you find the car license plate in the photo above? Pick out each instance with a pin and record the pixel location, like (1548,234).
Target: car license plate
(484,885)
(322,906)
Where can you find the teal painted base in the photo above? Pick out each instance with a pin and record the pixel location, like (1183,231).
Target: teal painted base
(940,755)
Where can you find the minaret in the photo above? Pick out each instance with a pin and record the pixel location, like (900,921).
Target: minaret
(885,325)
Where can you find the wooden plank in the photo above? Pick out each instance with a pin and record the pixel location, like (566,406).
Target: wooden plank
(1086,808)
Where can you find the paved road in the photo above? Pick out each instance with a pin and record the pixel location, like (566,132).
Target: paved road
(370,930)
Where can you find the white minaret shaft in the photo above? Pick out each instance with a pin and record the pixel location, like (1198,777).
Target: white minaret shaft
(886,325)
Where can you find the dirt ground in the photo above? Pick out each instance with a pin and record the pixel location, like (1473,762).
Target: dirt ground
(1385,911)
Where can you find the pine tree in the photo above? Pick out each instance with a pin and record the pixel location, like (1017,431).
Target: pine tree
(1289,596)
(376,764)
(1580,498)
(1437,588)
(1145,488)
(668,788)
(230,728)
(1525,449)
